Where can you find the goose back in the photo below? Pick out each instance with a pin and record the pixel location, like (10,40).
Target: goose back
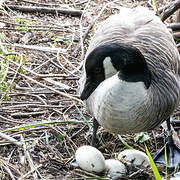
(140,28)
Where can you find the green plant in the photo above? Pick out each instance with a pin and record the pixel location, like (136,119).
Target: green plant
(153,166)
(124,142)
(38,124)
(55,39)
(6,55)
(24,23)
(155,7)
(142,137)
(3,79)
(166,161)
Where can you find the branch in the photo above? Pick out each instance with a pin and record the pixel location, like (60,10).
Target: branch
(174,26)
(10,139)
(173,7)
(35,9)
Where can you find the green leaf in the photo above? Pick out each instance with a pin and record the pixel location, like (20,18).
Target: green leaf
(166,161)
(153,166)
(37,124)
(59,137)
(155,7)
(124,142)
(142,137)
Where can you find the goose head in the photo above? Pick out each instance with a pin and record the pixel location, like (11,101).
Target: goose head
(125,59)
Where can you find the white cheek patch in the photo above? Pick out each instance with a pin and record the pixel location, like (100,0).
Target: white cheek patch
(108,68)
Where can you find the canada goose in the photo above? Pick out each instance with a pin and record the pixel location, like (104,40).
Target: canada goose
(131,79)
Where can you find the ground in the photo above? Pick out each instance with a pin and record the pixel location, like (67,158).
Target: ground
(39,105)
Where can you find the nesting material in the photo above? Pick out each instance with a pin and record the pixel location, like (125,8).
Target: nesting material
(135,157)
(115,169)
(90,159)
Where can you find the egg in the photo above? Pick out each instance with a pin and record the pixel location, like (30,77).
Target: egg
(115,169)
(90,159)
(135,157)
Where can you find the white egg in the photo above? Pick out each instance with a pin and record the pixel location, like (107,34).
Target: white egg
(115,169)
(90,159)
(135,157)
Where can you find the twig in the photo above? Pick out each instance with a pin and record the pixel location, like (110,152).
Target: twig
(48,4)
(176,34)
(27,114)
(18,102)
(8,171)
(37,48)
(66,59)
(59,76)
(31,93)
(46,79)
(26,38)
(174,6)
(13,167)
(61,66)
(10,139)
(88,29)
(6,120)
(36,92)
(52,89)
(60,27)
(43,64)
(56,83)
(20,106)
(29,159)
(35,29)
(30,172)
(174,133)
(174,26)
(64,134)
(33,9)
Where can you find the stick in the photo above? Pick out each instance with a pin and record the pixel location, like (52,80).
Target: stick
(174,26)
(50,88)
(35,9)
(174,6)
(88,29)
(10,139)
(27,114)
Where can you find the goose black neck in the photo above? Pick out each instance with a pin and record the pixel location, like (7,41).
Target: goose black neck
(126,59)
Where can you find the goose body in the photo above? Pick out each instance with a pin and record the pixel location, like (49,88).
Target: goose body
(131,79)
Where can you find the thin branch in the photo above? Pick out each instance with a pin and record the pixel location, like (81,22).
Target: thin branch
(37,48)
(174,26)
(10,139)
(48,4)
(52,89)
(33,9)
(8,121)
(88,29)
(27,114)
(173,7)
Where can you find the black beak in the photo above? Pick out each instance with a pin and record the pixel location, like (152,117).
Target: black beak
(88,90)
(89,87)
